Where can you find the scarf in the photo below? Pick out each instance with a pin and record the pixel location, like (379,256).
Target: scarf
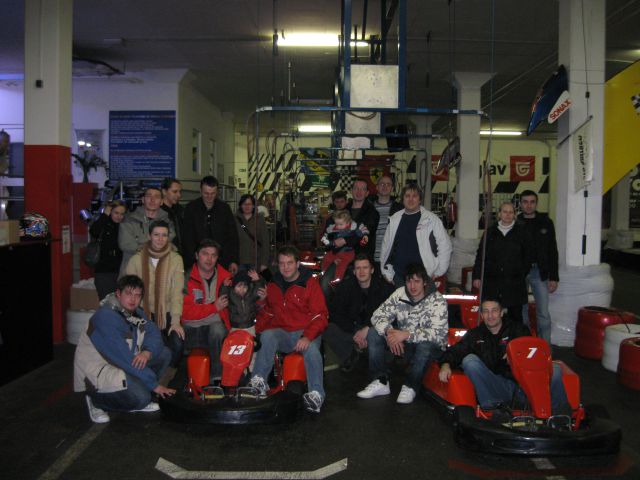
(113,303)
(505,228)
(160,281)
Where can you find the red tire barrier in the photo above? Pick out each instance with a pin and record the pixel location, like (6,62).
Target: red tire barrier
(629,363)
(592,322)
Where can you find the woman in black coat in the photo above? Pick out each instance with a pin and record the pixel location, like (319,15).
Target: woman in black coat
(107,268)
(507,262)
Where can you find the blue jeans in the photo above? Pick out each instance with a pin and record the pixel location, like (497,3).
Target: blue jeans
(418,355)
(540,291)
(492,389)
(137,395)
(279,340)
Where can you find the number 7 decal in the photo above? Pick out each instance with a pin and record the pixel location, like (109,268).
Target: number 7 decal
(532,352)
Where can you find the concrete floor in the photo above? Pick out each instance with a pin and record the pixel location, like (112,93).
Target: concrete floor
(46,433)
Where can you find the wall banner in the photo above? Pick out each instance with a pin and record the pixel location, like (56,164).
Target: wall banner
(582,157)
(523,168)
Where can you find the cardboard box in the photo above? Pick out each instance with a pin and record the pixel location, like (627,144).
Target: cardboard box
(9,231)
(84,298)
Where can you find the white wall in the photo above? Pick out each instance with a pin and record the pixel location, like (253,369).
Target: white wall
(12,109)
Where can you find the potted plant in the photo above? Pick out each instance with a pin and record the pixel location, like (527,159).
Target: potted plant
(88,160)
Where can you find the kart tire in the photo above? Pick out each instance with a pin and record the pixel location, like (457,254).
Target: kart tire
(614,335)
(296,387)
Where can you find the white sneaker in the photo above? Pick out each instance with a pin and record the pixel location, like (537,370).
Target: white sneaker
(313,401)
(96,414)
(259,384)
(407,395)
(375,389)
(151,407)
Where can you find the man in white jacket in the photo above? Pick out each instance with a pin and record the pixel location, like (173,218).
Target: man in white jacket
(414,235)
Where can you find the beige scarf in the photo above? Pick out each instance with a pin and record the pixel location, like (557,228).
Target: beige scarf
(161,281)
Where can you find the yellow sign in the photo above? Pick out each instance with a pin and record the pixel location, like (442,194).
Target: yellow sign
(621,125)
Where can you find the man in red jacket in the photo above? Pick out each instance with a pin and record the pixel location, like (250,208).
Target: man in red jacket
(293,319)
(204,310)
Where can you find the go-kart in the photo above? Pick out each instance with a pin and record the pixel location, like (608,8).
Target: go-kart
(529,428)
(226,401)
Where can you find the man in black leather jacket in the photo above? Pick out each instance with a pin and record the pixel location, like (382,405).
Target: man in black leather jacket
(350,310)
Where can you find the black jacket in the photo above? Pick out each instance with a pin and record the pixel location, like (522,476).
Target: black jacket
(369,216)
(507,262)
(351,309)
(110,253)
(545,249)
(176,214)
(489,347)
(217,224)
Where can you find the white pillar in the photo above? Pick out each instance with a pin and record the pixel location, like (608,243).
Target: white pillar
(583,280)
(465,242)
(468,189)
(577,45)
(423,156)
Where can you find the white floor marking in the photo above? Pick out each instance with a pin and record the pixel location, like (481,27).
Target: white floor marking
(63,462)
(174,471)
(333,366)
(542,463)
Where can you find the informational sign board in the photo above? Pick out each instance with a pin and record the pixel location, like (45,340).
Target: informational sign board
(142,144)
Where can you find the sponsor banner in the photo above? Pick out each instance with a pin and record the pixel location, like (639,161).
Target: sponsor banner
(582,157)
(523,168)
(634,199)
(562,105)
(372,167)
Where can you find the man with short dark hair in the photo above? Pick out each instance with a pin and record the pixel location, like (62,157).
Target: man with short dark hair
(543,276)
(120,357)
(414,235)
(171,195)
(134,229)
(482,354)
(386,205)
(205,317)
(411,322)
(293,319)
(350,311)
(363,213)
(210,217)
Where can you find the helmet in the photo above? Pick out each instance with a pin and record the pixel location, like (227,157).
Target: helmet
(34,225)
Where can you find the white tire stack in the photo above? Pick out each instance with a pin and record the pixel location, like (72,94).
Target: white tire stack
(77,322)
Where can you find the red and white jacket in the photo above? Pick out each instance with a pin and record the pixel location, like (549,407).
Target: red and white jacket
(300,307)
(194,306)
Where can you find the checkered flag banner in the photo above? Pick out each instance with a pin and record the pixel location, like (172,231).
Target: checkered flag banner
(635,100)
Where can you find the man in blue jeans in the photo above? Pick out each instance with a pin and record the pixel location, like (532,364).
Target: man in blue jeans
(411,322)
(543,276)
(121,356)
(482,352)
(292,319)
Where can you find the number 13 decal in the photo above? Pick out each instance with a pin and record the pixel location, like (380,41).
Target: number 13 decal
(532,352)
(237,349)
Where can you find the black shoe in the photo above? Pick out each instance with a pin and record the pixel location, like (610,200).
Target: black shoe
(501,414)
(350,363)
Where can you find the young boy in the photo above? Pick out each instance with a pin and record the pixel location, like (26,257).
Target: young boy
(243,292)
(342,236)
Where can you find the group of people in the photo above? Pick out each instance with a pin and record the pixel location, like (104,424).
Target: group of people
(136,339)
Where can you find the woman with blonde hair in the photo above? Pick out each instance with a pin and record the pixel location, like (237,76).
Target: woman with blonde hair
(160,266)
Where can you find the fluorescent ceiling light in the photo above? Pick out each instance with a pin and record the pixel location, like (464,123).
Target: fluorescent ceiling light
(310,39)
(319,128)
(502,133)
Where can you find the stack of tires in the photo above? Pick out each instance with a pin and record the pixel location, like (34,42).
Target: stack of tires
(77,322)
(629,364)
(590,329)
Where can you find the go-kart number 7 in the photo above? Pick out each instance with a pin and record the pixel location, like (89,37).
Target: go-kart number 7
(532,352)
(237,349)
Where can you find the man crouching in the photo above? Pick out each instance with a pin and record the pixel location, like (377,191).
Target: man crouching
(121,356)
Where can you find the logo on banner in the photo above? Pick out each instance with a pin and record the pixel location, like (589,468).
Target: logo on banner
(442,175)
(562,105)
(523,169)
(582,157)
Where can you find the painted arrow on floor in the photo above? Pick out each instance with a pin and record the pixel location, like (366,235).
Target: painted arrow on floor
(175,471)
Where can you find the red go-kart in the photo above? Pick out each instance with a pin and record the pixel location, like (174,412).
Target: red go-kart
(531,429)
(230,403)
